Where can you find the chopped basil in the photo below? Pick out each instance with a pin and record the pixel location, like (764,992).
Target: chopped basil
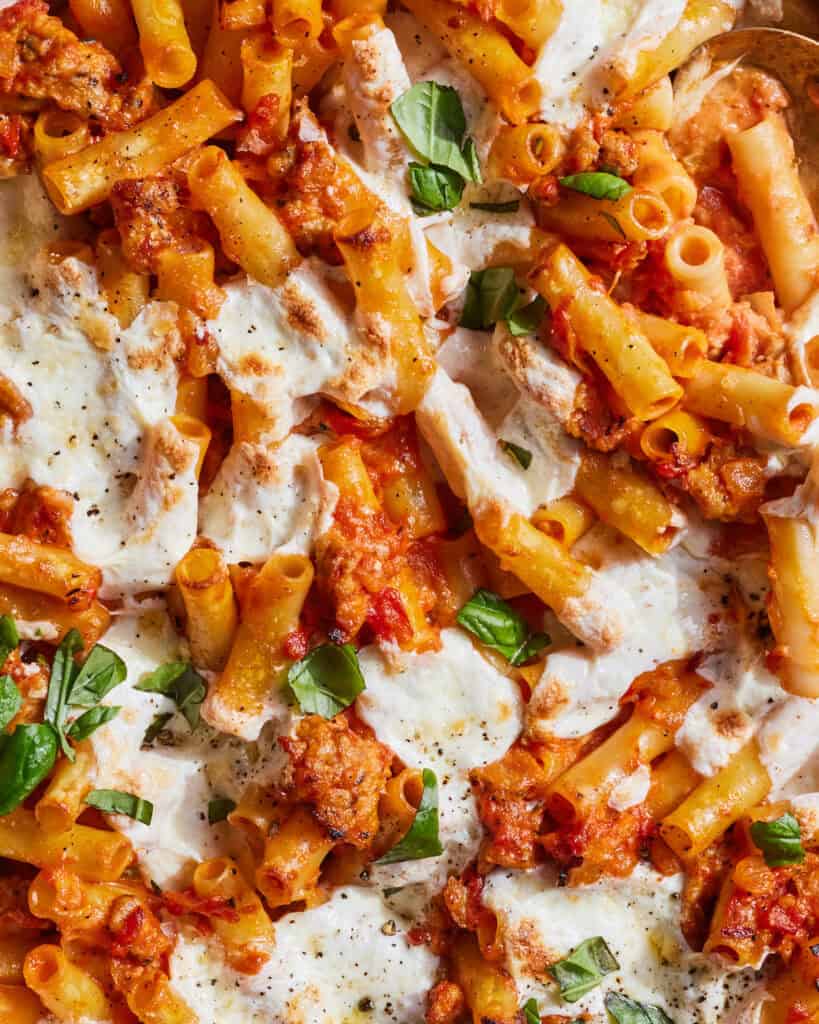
(511,206)
(113,801)
(26,758)
(614,223)
(498,625)
(80,686)
(422,838)
(82,727)
(491,295)
(527,319)
(181,683)
(327,680)
(155,727)
(431,117)
(435,188)
(10,701)
(63,669)
(9,637)
(584,968)
(628,1011)
(101,671)
(219,808)
(531,1014)
(780,841)
(522,456)
(597,184)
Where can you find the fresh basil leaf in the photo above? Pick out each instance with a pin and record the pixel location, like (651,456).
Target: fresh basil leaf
(624,1010)
(113,801)
(179,681)
(491,295)
(470,153)
(780,841)
(522,456)
(10,701)
(498,625)
(101,671)
(614,223)
(219,808)
(82,727)
(157,724)
(512,206)
(584,968)
(527,319)
(63,670)
(435,188)
(421,840)
(9,637)
(597,184)
(530,649)
(327,680)
(531,1014)
(26,758)
(431,118)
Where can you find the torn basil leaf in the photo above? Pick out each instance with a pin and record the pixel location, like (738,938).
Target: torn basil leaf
(435,188)
(421,840)
(26,758)
(527,319)
(155,727)
(10,701)
(511,206)
(780,841)
(327,680)
(597,184)
(531,1014)
(584,968)
(82,727)
(522,456)
(9,637)
(491,295)
(219,808)
(624,1010)
(499,626)
(101,671)
(114,801)
(181,683)
(63,670)
(431,118)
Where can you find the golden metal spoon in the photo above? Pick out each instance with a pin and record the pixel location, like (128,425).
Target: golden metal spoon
(794,60)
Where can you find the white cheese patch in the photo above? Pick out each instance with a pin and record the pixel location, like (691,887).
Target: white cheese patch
(802,328)
(724,718)
(470,358)
(345,962)
(667,604)
(540,923)
(787,738)
(280,346)
(266,498)
(478,239)
(178,777)
(450,711)
(28,221)
(99,396)
(631,790)
(574,66)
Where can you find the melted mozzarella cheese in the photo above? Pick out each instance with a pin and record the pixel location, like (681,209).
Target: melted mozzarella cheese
(540,923)
(280,346)
(100,399)
(345,962)
(574,67)
(450,711)
(671,606)
(787,738)
(726,716)
(263,499)
(28,221)
(180,775)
